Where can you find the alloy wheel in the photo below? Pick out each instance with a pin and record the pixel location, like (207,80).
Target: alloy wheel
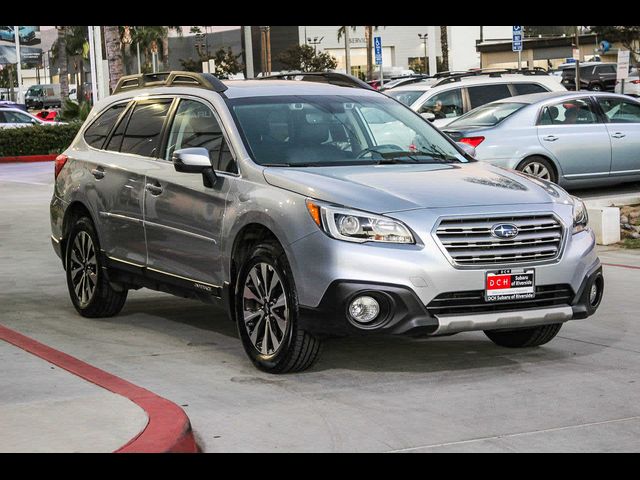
(84,268)
(537,170)
(265,309)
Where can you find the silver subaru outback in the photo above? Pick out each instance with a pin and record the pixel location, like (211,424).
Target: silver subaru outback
(308,209)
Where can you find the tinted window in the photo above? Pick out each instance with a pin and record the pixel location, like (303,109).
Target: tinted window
(620,111)
(116,138)
(571,112)
(481,95)
(2,120)
(606,69)
(527,88)
(444,105)
(16,117)
(145,126)
(97,133)
(405,96)
(487,115)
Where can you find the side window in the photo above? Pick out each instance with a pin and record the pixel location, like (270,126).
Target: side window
(97,133)
(527,88)
(444,105)
(2,119)
(15,117)
(605,69)
(620,111)
(115,142)
(571,112)
(195,125)
(142,136)
(483,94)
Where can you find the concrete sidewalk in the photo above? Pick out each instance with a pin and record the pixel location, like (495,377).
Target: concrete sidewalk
(46,409)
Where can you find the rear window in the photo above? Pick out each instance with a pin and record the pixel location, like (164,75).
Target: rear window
(527,88)
(97,133)
(407,97)
(483,94)
(487,115)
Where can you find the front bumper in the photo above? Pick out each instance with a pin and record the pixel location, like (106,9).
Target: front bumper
(402,312)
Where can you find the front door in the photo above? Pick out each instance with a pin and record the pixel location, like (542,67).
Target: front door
(575,136)
(183,218)
(623,125)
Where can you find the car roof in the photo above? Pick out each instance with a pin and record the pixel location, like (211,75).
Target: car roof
(478,80)
(11,109)
(534,98)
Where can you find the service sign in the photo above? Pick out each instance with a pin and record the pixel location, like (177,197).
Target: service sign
(623,65)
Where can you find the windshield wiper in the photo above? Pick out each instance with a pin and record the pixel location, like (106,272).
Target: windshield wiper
(395,160)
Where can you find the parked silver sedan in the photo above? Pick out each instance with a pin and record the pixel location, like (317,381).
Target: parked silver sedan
(573,139)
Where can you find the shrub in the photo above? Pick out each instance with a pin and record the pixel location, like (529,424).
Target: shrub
(72,111)
(37,139)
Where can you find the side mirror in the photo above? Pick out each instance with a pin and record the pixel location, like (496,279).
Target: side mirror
(471,151)
(195,160)
(428,116)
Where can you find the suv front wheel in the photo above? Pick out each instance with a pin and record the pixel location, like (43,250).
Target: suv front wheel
(90,291)
(524,337)
(266,307)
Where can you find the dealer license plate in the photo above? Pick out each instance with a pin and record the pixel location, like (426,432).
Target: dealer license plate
(511,284)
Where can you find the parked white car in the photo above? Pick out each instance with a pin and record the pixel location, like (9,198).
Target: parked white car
(452,96)
(14,118)
(631,84)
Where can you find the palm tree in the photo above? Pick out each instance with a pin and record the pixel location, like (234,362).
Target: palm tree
(62,63)
(152,38)
(369,35)
(114,55)
(444,43)
(76,47)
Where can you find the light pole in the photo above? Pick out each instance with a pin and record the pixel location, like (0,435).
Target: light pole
(315,42)
(16,33)
(423,37)
(577,45)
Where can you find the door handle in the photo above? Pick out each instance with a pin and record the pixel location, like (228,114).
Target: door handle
(550,138)
(618,135)
(153,189)
(98,173)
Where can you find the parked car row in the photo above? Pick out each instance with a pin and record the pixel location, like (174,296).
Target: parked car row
(15,118)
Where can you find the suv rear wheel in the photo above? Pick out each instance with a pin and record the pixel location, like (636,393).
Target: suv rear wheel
(524,337)
(267,313)
(90,291)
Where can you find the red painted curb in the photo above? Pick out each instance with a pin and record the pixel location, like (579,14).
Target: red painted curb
(621,265)
(168,429)
(29,158)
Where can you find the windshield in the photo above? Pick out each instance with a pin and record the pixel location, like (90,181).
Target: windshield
(408,97)
(487,115)
(325,130)
(34,92)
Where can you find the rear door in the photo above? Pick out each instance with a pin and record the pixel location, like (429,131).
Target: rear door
(183,218)
(576,137)
(623,125)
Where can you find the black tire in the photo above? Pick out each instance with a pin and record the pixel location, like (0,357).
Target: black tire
(596,87)
(298,349)
(105,301)
(524,337)
(531,161)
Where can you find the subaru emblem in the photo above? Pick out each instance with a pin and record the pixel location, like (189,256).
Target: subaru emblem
(504,230)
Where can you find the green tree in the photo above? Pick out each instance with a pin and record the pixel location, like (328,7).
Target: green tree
(75,44)
(226,63)
(547,31)
(62,62)
(191,65)
(304,58)
(628,35)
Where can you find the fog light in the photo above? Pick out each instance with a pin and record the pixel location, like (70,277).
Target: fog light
(364,309)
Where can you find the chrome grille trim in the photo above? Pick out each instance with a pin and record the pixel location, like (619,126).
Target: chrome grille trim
(467,240)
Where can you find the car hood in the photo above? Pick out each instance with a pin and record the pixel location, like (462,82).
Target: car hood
(393,188)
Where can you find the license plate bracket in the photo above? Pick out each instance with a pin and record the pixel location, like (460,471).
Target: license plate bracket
(509,285)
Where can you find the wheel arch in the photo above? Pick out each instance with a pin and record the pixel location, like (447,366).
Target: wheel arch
(74,211)
(551,160)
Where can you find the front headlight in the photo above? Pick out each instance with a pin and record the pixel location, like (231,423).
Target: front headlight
(580,216)
(356,226)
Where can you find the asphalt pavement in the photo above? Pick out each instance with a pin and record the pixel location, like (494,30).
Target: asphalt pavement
(460,393)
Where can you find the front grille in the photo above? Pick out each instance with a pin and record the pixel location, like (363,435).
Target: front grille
(456,303)
(469,241)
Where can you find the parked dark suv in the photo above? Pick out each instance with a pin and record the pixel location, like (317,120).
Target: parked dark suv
(597,76)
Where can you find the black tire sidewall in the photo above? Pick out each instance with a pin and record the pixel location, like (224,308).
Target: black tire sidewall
(83,225)
(275,257)
(543,161)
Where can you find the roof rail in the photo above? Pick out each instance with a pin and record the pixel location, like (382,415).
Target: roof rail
(333,78)
(169,79)
(449,77)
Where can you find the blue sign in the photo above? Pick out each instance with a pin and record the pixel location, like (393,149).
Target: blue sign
(516,45)
(377,46)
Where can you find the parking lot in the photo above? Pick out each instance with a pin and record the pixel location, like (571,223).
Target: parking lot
(458,393)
